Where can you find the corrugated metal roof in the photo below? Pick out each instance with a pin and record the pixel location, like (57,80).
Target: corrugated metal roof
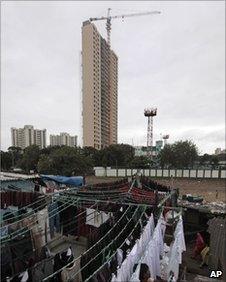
(217,242)
(7,176)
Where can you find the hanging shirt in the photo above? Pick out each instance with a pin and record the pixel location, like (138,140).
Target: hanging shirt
(119,257)
(95,217)
(175,255)
(152,259)
(153,248)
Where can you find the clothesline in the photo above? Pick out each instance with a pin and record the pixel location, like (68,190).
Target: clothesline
(82,189)
(25,207)
(30,214)
(92,247)
(107,247)
(15,259)
(74,220)
(44,197)
(110,258)
(126,267)
(119,194)
(166,198)
(144,254)
(87,200)
(72,189)
(94,186)
(30,225)
(20,233)
(128,195)
(79,199)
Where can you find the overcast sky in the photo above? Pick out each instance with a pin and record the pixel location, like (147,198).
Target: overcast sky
(174,61)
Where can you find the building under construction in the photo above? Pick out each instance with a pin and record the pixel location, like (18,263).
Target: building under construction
(100,83)
(99,89)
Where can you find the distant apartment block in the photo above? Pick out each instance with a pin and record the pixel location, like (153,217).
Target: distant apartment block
(24,137)
(63,139)
(218,151)
(99,89)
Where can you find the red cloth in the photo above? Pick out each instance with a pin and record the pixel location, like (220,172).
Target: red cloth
(199,245)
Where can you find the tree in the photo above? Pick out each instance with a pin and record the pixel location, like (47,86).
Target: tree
(65,161)
(185,153)
(30,158)
(214,161)
(140,162)
(91,153)
(205,159)
(6,160)
(49,149)
(45,165)
(115,155)
(16,155)
(166,156)
(181,154)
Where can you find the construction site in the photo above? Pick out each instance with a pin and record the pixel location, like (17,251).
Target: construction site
(119,224)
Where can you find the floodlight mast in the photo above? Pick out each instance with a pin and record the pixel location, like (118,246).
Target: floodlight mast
(150,113)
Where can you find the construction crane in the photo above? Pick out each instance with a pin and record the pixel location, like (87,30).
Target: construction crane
(109,18)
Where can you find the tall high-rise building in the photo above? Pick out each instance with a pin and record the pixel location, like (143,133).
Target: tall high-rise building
(63,139)
(99,89)
(24,137)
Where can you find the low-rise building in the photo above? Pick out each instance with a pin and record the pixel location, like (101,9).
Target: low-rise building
(143,150)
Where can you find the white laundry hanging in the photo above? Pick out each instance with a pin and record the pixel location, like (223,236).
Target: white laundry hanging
(155,246)
(177,248)
(119,257)
(95,217)
(126,269)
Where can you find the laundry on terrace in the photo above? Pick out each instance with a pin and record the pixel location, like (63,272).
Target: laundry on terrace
(104,232)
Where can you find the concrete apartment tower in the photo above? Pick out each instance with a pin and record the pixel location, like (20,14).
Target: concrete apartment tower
(24,137)
(99,89)
(63,139)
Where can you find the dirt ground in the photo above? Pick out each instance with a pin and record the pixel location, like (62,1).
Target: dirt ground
(201,187)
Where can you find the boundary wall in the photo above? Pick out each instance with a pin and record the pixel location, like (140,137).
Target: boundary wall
(161,173)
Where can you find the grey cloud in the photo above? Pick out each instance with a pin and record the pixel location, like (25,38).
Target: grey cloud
(174,61)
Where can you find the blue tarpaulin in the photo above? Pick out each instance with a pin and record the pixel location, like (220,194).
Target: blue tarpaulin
(72,181)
